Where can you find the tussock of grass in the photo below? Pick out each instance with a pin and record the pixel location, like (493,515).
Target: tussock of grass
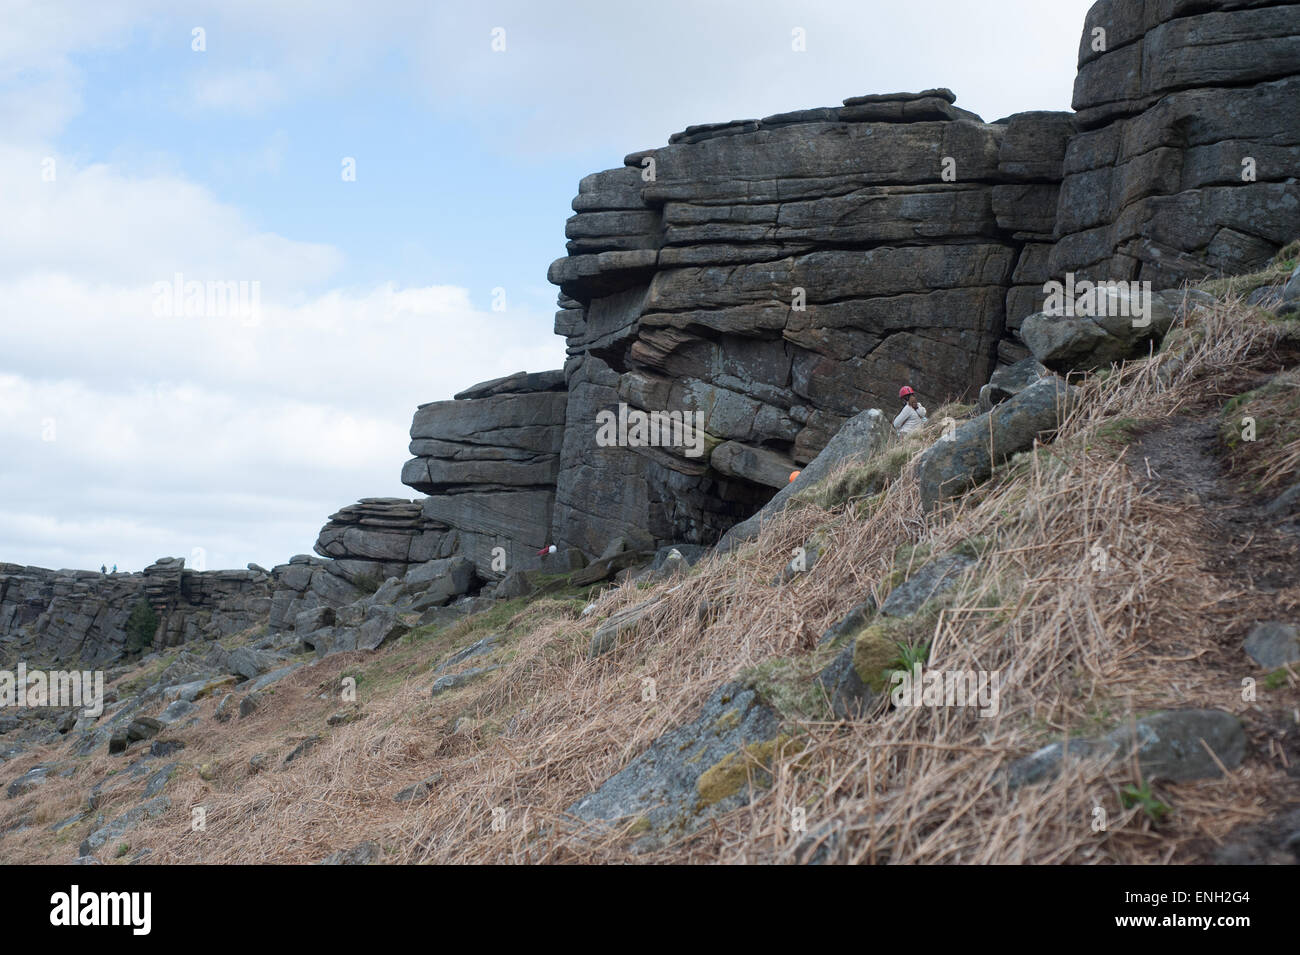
(1268,458)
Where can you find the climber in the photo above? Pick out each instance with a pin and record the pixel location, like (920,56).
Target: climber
(103,569)
(913,414)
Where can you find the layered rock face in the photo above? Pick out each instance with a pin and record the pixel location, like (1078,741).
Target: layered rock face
(488,459)
(71,615)
(1190,144)
(380,537)
(779,276)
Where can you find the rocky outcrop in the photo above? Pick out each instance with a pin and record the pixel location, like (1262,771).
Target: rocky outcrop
(779,276)
(967,457)
(760,282)
(488,460)
(771,278)
(1185,165)
(71,615)
(378,538)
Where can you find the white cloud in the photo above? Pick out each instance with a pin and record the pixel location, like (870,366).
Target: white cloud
(241,91)
(193,431)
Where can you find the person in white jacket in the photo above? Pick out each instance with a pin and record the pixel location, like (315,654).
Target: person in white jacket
(913,414)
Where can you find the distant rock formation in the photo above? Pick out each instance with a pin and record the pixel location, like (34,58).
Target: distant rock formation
(80,615)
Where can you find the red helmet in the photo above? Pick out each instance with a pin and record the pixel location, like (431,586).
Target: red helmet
(905,391)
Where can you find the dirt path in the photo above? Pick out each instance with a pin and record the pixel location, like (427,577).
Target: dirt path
(1254,560)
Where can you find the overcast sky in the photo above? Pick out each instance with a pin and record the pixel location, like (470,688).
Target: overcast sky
(130,430)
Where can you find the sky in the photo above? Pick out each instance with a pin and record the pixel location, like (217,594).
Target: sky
(389,181)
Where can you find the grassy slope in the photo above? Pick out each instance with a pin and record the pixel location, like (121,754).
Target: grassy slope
(1080,649)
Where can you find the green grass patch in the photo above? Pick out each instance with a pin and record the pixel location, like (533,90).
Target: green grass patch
(1275,273)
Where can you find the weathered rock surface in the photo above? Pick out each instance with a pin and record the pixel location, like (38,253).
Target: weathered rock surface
(1167,745)
(1186,163)
(390,533)
(925,583)
(692,773)
(489,461)
(1273,644)
(80,616)
(959,461)
(780,276)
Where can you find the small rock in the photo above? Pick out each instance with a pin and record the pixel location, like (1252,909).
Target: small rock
(418,791)
(476,649)
(274,676)
(302,749)
(176,712)
(251,663)
(1285,504)
(1273,644)
(925,584)
(1168,745)
(36,776)
(225,709)
(158,781)
(608,633)
(454,681)
(144,727)
(363,854)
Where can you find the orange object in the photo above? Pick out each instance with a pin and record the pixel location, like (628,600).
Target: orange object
(793,475)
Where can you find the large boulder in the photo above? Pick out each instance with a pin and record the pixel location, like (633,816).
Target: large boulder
(692,773)
(966,457)
(1117,324)
(1184,164)
(1176,745)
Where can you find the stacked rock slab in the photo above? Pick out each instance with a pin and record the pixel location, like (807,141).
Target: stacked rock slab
(381,537)
(80,616)
(1187,161)
(488,459)
(780,276)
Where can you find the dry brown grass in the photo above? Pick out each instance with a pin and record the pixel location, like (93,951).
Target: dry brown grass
(1079,650)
